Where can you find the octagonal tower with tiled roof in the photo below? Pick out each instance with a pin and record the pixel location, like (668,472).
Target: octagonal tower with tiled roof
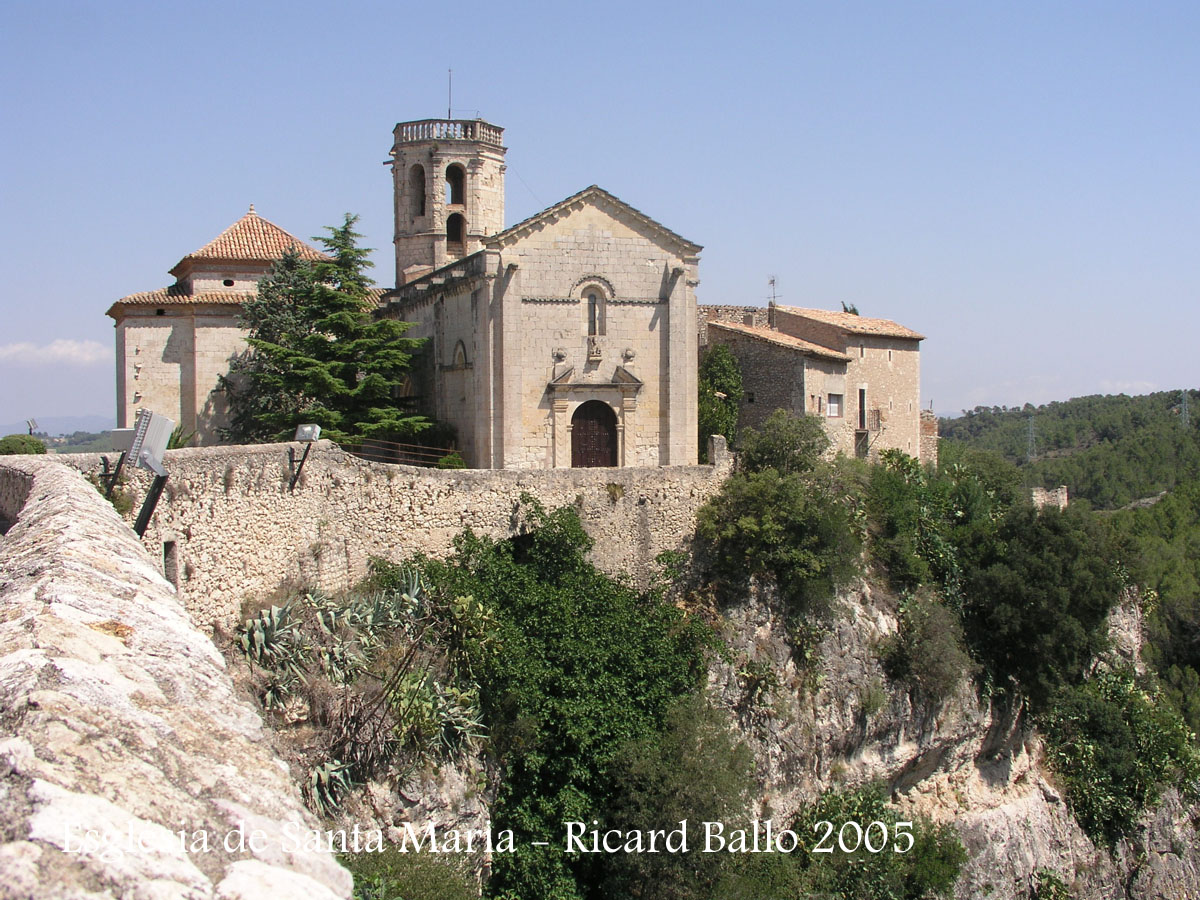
(174,343)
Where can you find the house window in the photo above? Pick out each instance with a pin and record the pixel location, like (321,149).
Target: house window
(889,356)
(862,350)
(834,406)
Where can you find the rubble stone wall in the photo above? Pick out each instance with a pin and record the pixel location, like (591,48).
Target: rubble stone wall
(228,528)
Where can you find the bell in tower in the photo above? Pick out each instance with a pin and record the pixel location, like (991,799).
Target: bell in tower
(448,185)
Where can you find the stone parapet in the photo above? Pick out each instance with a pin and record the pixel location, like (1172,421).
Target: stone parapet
(121,725)
(232,531)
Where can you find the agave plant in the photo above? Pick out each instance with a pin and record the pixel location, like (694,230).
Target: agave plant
(272,641)
(327,785)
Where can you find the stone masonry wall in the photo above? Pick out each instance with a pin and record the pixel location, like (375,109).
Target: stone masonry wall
(227,529)
(120,728)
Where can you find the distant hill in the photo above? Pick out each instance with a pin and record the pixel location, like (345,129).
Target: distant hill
(1111,450)
(59,425)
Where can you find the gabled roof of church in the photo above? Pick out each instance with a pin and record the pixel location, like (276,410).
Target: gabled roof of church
(856,324)
(250,239)
(592,193)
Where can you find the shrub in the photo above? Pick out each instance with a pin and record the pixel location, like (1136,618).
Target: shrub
(588,665)
(720,388)
(786,443)
(928,652)
(928,869)
(693,770)
(452,460)
(1115,746)
(786,529)
(392,875)
(1037,591)
(21,443)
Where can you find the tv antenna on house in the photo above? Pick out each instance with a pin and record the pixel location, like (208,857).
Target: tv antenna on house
(771,284)
(449,92)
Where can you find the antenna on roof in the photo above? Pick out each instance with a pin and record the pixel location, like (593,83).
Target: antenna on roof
(771,285)
(449,92)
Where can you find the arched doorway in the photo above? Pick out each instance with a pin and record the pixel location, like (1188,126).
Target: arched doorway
(593,435)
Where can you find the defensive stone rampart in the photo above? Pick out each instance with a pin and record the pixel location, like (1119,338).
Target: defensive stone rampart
(120,728)
(229,528)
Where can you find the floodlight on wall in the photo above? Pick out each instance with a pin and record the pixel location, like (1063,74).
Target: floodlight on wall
(151,432)
(121,439)
(306,435)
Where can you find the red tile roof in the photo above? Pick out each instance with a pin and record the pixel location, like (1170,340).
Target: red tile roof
(177,295)
(250,239)
(782,340)
(853,324)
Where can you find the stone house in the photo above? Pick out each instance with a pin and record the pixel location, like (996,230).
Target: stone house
(568,339)
(175,342)
(862,375)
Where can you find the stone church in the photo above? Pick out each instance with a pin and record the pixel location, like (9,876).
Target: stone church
(568,339)
(174,343)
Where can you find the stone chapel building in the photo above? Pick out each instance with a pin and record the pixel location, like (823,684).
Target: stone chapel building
(174,343)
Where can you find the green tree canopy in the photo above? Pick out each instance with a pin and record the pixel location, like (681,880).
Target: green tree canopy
(319,354)
(20,443)
(720,393)
(786,443)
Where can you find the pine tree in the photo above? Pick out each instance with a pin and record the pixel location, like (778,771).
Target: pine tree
(319,354)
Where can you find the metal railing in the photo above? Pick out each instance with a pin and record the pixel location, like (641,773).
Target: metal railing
(399,454)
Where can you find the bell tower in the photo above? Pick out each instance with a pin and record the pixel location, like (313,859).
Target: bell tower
(448,187)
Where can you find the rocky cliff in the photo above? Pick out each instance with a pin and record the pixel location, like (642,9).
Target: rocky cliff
(976,764)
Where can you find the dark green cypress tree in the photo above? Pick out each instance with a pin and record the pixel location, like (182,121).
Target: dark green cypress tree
(319,353)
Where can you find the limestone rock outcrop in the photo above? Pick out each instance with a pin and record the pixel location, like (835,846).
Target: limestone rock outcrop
(967,761)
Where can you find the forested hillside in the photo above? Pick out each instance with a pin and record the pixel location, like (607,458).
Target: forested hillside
(1110,450)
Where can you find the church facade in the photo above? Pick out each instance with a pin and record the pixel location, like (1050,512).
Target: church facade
(568,339)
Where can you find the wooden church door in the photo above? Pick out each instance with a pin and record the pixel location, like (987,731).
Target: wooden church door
(594,435)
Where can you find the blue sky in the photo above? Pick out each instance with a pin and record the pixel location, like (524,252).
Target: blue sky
(1018,181)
